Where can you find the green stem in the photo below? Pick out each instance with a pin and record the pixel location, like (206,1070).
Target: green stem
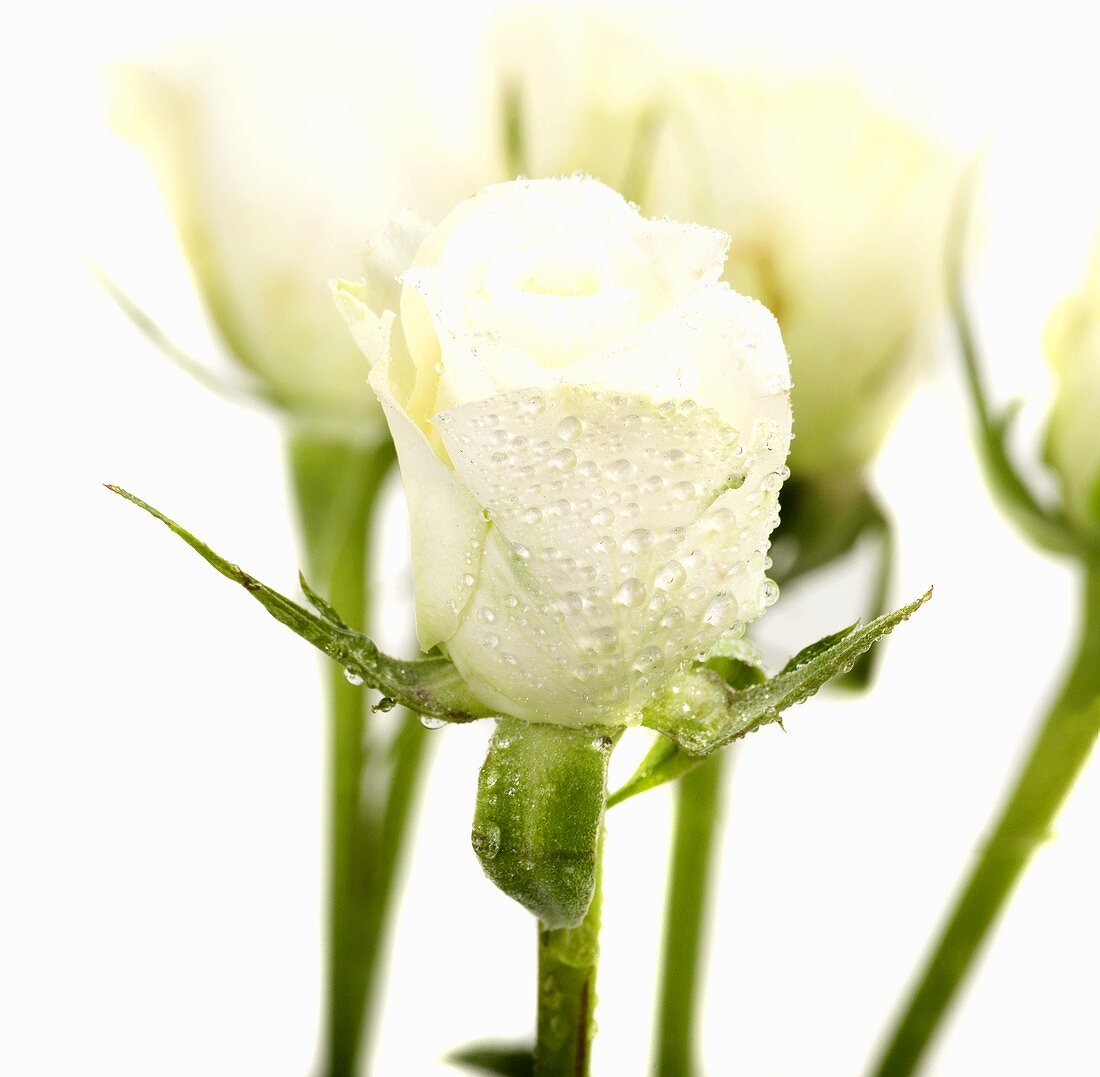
(336,486)
(1059,752)
(695,828)
(568,958)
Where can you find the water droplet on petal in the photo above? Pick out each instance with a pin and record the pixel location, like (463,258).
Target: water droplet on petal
(631,593)
(569,428)
(671,576)
(719,611)
(604,640)
(620,470)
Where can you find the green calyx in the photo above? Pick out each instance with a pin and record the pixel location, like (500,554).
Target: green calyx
(540,803)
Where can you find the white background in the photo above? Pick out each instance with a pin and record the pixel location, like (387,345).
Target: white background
(162,759)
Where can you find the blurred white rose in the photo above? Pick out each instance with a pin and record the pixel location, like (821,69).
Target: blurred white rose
(1073,431)
(591,430)
(573,87)
(276,156)
(836,212)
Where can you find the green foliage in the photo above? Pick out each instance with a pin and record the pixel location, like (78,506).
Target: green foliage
(666,760)
(701,713)
(1047,526)
(430,686)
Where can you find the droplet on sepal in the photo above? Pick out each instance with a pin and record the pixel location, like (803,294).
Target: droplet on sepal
(353,678)
(430,722)
(486,842)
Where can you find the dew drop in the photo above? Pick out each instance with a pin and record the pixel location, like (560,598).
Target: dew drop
(720,609)
(631,593)
(621,470)
(569,428)
(671,576)
(428,722)
(639,540)
(604,640)
(352,677)
(564,460)
(673,618)
(695,559)
(486,842)
(674,459)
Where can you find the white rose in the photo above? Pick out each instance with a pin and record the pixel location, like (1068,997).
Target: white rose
(1073,434)
(591,430)
(276,156)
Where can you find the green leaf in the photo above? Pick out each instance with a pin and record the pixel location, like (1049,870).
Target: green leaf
(515,1061)
(1045,525)
(812,650)
(666,760)
(701,713)
(430,686)
(540,803)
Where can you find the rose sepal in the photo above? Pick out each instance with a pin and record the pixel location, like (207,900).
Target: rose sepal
(541,796)
(430,687)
